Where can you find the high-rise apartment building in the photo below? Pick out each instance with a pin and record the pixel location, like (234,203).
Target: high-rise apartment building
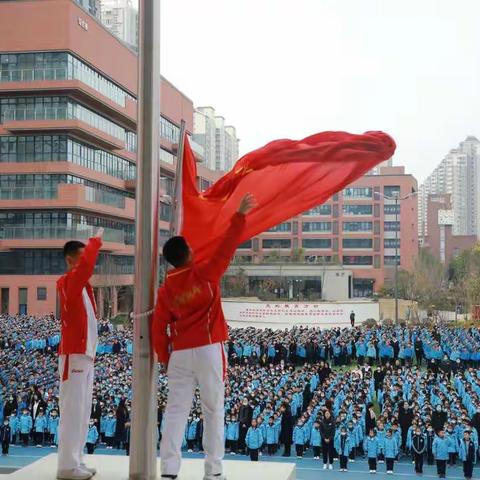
(361,228)
(68,113)
(91,6)
(219,141)
(121,18)
(456,175)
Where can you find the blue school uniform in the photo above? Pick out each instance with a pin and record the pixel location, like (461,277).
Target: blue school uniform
(440,448)
(41,424)
(271,434)
(110,426)
(315,437)
(232,431)
(342,444)
(371,446)
(299,437)
(390,447)
(26,423)
(254,439)
(92,434)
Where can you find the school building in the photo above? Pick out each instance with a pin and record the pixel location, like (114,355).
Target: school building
(68,150)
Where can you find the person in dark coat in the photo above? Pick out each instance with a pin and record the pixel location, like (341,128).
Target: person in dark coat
(245,415)
(439,417)
(11,406)
(96,414)
(116,347)
(5,435)
(418,346)
(122,417)
(405,418)
(370,418)
(327,433)
(286,429)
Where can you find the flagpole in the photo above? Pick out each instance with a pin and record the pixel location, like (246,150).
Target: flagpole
(143,450)
(176,214)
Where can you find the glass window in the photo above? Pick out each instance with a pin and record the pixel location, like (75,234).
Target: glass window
(363,287)
(391,226)
(169,131)
(357,209)
(390,259)
(316,226)
(246,245)
(391,243)
(391,209)
(357,243)
(283,227)
(318,211)
(317,243)
(58,66)
(276,243)
(357,260)
(357,192)
(52,148)
(391,190)
(357,226)
(41,293)
(56,108)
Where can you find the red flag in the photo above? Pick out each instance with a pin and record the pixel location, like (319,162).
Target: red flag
(287,178)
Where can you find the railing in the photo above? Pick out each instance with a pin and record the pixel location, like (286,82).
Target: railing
(22,193)
(31,74)
(29,232)
(71,112)
(104,197)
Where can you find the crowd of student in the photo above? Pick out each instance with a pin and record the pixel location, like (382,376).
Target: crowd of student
(421,398)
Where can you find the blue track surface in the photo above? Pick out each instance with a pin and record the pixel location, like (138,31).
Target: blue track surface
(307,468)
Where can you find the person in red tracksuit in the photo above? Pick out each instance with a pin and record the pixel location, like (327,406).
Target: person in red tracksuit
(76,356)
(188,334)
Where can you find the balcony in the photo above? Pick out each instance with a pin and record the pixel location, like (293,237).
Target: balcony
(68,196)
(85,124)
(49,80)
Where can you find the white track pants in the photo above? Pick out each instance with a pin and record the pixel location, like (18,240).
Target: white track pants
(75,408)
(203,366)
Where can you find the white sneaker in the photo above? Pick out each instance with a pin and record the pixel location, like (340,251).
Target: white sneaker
(91,470)
(330,467)
(374,471)
(190,450)
(74,474)
(352,460)
(370,471)
(324,466)
(389,472)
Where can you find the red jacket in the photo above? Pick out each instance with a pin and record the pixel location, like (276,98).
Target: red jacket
(73,315)
(189,301)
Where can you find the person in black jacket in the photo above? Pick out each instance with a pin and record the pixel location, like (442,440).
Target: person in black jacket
(11,406)
(418,346)
(468,453)
(419,445)
(405,418)
(286,429)
(327,432)
(122,417)
(370,418)
(5,432)
(245,415)
(439,417)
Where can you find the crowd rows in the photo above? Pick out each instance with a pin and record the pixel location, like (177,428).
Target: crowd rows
(406,391)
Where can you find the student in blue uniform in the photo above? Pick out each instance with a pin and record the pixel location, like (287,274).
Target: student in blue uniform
(231,435)
(52,427)
(299,438)
(40,427)
(25,426)
(110,427)
(254,441)
(316,441)
(92,436)
(343,447)
(468,454)
(371,448)
(390,448)
(440,452)
(271,437)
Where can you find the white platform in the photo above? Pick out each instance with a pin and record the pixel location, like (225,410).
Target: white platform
(115,467)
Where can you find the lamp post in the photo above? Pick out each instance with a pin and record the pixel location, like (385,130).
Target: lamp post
(396,197)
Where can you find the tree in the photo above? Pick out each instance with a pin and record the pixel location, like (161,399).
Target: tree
(298,255)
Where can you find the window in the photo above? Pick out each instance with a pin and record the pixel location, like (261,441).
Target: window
(391,226)
(357,209)
(319,211)
(51,262)
(22,67)
(361,260)
(357,192)
(357,226)
(274,243)
(316,226)
(391,243)
(390,259)
(391,209)
(317,243)
(22,301)
(357,243)
(391,190)
(57,108)
(246,245)
(41,293)
(4,300)
(362,287)
(283,227)
(165,212)
(169,131)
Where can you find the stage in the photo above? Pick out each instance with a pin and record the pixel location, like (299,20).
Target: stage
(112,467)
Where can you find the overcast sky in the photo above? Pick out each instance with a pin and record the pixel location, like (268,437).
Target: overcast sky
(290,68)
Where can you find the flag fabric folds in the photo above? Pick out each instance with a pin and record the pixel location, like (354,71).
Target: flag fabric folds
(287,178)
